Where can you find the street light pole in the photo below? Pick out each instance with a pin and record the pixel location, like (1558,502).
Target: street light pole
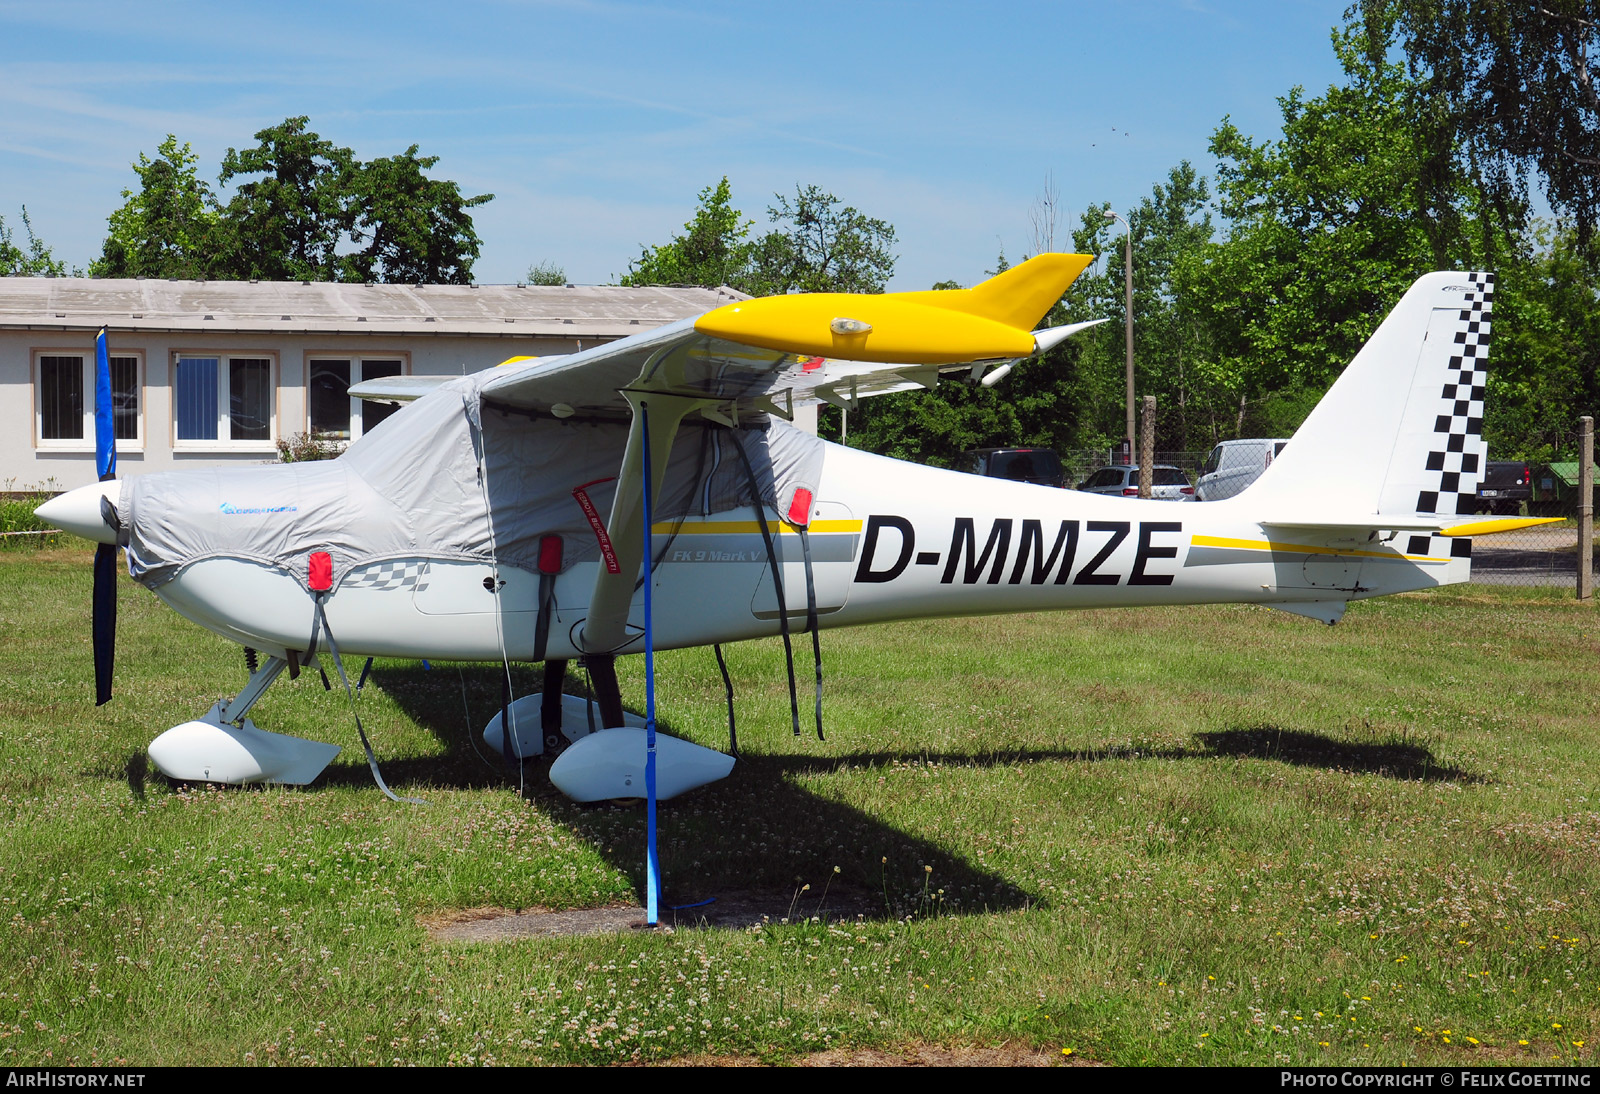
(1127,322)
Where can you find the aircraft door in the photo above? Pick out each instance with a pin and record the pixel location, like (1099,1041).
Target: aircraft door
(835,540)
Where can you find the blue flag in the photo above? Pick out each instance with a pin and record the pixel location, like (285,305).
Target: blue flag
(105,430)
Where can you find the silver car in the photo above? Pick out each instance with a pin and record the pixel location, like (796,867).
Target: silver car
(1122,480)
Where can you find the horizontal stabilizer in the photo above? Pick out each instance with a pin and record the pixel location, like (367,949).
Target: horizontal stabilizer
(1054,336)
(1383,522)
(398,389)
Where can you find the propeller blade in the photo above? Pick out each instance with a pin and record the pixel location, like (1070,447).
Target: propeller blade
(105,619)
(105,431)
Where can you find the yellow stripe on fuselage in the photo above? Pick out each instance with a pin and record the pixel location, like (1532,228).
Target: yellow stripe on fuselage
(1297,548)
(747,527)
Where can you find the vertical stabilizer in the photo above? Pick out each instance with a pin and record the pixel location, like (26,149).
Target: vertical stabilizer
(1400,432)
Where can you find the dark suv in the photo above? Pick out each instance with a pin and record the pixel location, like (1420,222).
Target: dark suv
(1035,465)
(1506,485)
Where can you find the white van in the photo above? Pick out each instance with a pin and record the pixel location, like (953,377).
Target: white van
(1234,465)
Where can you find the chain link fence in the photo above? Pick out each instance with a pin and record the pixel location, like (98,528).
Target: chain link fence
(1077,465)
(1546,555)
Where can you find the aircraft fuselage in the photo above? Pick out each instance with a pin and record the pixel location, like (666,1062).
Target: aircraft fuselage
(888,540)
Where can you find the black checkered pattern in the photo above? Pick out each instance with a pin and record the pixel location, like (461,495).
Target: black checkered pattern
(1439,547)
(1458,454)
(406,573)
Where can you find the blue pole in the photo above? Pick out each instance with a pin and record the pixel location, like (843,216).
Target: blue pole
(652,879)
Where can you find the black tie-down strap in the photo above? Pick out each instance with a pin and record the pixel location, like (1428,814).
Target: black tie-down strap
(777,583)
(320,625)
(811,621)
(727,686)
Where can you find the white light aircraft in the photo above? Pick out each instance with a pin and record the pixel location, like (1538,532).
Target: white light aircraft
(502,516)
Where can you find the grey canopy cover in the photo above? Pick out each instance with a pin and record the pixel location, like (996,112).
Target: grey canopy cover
(412,488)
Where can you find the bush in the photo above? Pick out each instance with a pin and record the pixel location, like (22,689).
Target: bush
(300,447)
(19,528)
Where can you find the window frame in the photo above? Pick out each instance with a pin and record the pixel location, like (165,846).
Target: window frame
(36,355)
(357,375)
(223,443)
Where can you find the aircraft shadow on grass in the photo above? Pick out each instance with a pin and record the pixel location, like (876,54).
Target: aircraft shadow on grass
(760,831)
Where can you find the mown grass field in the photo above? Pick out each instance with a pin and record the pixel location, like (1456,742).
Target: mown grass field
(1209,835)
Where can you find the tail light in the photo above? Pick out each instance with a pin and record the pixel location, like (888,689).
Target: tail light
(1186,490)
(1130,491)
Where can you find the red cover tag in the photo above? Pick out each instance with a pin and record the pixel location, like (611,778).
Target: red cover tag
(800,508)
(550,554)
(321,572)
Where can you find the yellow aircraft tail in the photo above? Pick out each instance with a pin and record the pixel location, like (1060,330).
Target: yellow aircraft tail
(1019,297)
(990,321)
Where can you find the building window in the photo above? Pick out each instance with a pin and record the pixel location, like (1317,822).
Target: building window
(334,413)
(221,402)
(64,401)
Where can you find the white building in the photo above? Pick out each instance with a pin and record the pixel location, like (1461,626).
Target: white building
(216,372)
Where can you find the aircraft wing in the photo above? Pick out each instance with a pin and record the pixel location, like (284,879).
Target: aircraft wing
(770,355)
(776,353)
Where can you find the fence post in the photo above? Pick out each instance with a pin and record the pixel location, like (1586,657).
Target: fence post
(1147,447)
(1585,508)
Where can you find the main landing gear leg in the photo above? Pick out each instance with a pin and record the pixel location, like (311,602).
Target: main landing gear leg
(607,692)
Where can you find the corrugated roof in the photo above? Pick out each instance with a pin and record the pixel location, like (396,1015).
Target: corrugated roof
(1565,470)
(287,307)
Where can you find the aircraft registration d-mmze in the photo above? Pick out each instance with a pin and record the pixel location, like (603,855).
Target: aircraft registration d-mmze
(503,516)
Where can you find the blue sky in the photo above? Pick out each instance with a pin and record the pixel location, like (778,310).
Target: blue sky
(595,124)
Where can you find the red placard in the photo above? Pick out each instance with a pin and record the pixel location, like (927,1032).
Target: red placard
(607,552)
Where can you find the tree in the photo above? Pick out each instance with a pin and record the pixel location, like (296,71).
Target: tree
(1328,226)
(714,249)
(820,246)
(168,227)
(35,260)
(816,245)
(1516,82)
(1169,228)
(415,228)
(308,211)
(287,224)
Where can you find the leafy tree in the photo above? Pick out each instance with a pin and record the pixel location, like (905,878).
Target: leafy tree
(287,224)
(1329,225)
(34,260)
(817,245)
(168,227)
(308,210)
(714,249)
(1516,82)
(415,228)
(546,273)
(820,246)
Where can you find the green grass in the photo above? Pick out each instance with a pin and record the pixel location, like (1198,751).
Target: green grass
(1208,835)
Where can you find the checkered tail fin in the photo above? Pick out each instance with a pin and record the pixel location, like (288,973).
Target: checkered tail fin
(1401,430)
